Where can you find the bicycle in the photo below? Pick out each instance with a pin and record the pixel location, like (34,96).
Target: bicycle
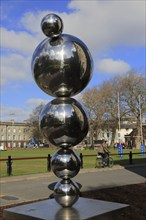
(104,162)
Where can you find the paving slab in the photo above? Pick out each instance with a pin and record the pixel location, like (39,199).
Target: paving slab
(15,190)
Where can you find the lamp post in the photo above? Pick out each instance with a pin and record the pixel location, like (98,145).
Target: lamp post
(119,121)
(12,120)
(12,133)
(6,135)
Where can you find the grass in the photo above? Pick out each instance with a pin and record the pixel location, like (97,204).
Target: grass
(22,167)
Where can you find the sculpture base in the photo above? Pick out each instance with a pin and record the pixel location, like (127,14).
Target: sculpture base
(87,209)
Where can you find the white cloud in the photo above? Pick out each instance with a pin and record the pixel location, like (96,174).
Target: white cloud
(36,102)
(17,113)
(15,67)
(20,113)
(18,41)
(32,21)
(106,23)
(112,66)
(100,24)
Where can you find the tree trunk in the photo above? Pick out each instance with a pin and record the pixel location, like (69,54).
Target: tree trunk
(113,137)
(138,135)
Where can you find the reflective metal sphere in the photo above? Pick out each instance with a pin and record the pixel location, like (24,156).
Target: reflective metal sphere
(62,66)
(66,192)
(52,25)
(68,214)
(65,163)
(64,122)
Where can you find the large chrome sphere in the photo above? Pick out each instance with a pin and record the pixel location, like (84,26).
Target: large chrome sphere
(65,163)
(64,122)
(66,192)
(52,25)
(62,66)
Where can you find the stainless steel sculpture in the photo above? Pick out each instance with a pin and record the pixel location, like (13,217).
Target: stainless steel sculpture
(61,64)
(64,122)
(65,163)
(62,67)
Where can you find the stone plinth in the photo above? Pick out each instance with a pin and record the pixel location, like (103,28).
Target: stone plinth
(83,209)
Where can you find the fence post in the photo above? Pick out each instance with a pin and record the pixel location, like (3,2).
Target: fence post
(49,163)
(130,157)
(81,158)
(9,166)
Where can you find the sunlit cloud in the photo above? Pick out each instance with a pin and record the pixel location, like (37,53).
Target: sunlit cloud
(15,67)
(101,25)
(110,66)
(36,102)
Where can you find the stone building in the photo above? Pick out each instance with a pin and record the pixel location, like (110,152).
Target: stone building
(14,134)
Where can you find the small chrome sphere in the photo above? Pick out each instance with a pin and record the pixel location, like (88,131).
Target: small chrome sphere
(68,214)
(63,122)
(52,25)
(66,192)
(62,66)
(65,163)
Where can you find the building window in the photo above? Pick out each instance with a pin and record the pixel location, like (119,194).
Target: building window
(2,137)
(119,135)
(24,130)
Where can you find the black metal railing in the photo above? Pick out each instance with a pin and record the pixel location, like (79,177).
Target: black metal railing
(9,160)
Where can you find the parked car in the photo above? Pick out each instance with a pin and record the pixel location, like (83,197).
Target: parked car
(46,145)
(30,145)
(2,148)
(7,147)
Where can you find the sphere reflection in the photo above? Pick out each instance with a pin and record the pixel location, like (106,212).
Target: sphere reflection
(64,122)
(65,163)
(68,214)
(62,66)
(66,192)
(52,25)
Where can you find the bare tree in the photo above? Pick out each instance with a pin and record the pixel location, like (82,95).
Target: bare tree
(133,98)
(92,100)
(102,104)
(34,120)
(108,92)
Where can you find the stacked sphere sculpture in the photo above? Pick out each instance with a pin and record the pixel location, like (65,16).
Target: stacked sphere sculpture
(62,67)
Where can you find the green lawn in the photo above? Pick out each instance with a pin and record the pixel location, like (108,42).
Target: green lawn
(22,167)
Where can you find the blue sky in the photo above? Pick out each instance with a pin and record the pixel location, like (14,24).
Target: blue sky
(114,32)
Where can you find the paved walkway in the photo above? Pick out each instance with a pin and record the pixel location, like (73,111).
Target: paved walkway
(26,188)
